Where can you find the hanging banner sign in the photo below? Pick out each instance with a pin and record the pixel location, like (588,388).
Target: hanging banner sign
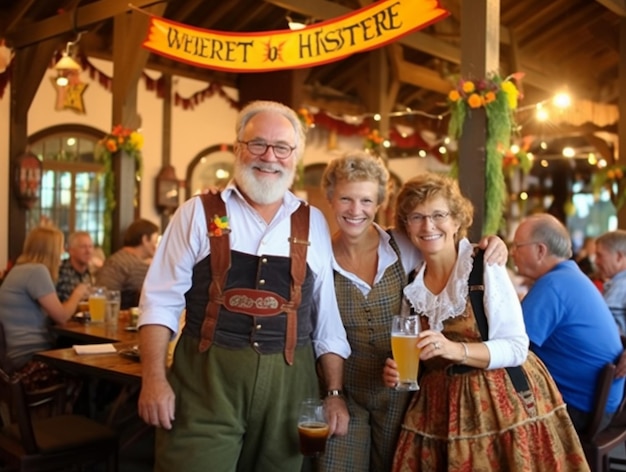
(368,28)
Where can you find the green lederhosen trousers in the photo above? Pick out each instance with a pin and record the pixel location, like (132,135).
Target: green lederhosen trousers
(236,410)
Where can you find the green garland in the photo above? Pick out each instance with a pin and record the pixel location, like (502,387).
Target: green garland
(499,98)
(120,139)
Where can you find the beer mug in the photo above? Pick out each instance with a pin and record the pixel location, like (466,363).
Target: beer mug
(312,427)
(97,304)
(404,331)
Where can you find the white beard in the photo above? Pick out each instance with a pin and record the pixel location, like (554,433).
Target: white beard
(260,190)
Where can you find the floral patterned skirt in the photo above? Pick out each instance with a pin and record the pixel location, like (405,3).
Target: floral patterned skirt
(476,421)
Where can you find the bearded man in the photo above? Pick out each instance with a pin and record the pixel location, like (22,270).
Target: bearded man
(252,268)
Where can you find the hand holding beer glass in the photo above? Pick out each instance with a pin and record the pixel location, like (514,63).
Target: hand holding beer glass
(404,331)
(312,427)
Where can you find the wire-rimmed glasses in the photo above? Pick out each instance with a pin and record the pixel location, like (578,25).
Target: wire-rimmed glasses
(436,217)
(259,148)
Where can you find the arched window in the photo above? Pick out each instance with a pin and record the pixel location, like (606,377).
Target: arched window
(210,168)
(72,185)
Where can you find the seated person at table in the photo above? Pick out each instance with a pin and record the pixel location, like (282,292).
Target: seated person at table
(126,269)
(75,269)
(29,301)
(611,264)
(570,326)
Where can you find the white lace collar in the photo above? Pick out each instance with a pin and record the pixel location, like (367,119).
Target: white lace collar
(452,300)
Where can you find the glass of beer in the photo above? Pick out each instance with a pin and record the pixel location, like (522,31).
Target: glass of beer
(312,427)
(97,304)
(404,330)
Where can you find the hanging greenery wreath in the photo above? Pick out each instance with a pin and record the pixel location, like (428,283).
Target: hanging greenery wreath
(120,139)
(499,99)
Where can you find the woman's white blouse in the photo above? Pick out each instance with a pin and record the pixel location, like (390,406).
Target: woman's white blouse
(508,341)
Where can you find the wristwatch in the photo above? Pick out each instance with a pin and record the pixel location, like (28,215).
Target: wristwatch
(334,393)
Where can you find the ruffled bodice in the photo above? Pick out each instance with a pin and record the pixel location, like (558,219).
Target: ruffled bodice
(452,300)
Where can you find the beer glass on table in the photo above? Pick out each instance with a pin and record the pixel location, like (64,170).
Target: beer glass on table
(97,304)
(404,331)
(312,427)
(113,308)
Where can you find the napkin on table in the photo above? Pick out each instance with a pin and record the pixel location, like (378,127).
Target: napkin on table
(106,348)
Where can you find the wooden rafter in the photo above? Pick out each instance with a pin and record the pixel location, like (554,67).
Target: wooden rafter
(15,17)
(64,22)
(616,6)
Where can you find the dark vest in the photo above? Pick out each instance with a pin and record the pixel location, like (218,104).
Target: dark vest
(260,301)
(235,330)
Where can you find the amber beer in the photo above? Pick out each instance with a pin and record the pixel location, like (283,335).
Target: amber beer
(312,438)
(404,332)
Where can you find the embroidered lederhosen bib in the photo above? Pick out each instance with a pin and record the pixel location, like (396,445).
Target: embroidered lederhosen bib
(253,301)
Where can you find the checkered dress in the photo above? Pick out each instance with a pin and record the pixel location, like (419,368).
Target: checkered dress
(376,411)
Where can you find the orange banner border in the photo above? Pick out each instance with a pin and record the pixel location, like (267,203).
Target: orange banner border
(368,28)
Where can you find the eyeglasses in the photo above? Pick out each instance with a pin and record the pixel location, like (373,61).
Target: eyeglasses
(259,148)
(436,217)
(516,246)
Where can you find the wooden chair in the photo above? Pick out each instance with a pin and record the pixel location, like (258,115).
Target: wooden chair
(598,443)
(5,362)
(54,442)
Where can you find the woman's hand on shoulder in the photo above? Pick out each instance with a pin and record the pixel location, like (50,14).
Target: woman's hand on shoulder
(495,250)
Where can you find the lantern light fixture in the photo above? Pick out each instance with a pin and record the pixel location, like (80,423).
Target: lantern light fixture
(66,66)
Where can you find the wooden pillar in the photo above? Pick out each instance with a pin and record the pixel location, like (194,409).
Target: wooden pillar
(480,51)
(166,139)
(284,86)
(129,60)
(29,66)
(621,103)
(378,100)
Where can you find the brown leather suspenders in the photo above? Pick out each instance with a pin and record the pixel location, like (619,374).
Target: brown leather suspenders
(220,264)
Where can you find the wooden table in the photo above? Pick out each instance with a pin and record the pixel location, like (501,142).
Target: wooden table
(113,367)
(110,367)
(96,333)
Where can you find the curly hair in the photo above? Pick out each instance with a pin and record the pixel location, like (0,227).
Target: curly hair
(425,187)
(356,166)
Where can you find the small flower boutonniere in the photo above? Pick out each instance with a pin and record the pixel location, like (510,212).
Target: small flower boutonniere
(219,226)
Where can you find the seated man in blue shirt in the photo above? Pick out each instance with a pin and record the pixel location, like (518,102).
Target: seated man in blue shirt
(569,325)
(611,262)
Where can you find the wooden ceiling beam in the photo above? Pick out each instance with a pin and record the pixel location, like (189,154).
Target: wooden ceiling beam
(567,23)
(69,21)
(616,6)
(323,10)
(16,15)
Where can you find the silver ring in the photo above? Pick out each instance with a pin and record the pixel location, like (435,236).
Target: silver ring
(436,344)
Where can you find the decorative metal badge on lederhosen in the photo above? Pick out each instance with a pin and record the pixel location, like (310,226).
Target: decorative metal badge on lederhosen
(253,302)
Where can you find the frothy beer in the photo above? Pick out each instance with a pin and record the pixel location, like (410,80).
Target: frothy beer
(312,438)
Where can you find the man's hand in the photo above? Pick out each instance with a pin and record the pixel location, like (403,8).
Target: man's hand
(156,403)
(157,399)
(337,415)
(495,250)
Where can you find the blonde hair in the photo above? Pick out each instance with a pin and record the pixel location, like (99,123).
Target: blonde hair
(43,245)
(356,166)
(425,187)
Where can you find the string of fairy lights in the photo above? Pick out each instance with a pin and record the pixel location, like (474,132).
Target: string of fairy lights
(542,113)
